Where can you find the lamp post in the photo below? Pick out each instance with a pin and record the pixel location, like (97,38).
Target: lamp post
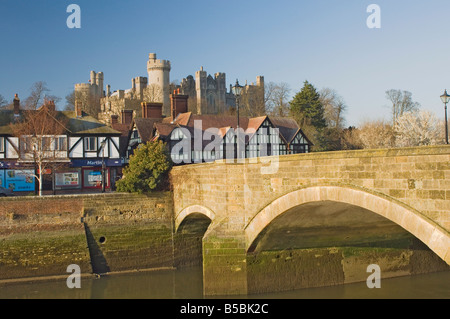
(103,165)
(445,99)
(237,91)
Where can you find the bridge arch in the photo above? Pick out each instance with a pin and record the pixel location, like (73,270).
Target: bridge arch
(431,234)
(194,209)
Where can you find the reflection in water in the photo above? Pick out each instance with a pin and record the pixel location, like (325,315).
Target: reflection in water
(187,284)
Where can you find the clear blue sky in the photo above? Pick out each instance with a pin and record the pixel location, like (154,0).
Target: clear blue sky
(323,41)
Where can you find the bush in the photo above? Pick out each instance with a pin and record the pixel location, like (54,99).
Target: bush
(148,169)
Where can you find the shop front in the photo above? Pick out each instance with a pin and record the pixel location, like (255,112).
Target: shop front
(88,173)
(17,178)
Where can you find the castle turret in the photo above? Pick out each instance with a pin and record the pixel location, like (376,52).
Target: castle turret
(99,83)
(140,83)
(159,75)
(221,91)
(200,87)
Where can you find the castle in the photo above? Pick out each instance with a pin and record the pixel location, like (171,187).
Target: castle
(207,95)
(210,94)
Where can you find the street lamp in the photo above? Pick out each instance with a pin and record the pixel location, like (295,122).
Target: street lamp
(103,165)
(237,91)
(445,99)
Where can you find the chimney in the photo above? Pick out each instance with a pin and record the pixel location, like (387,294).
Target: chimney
(127,116)
(16,105)
(178,104)
(79,109)
(51,106)
(151,110)
(114,119)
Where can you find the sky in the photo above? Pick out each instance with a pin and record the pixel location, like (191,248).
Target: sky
(325,42)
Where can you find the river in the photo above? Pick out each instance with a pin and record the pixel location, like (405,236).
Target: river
(187,284)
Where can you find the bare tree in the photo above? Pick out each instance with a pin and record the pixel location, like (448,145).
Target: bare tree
(334,108)
(3,102)
(153,93)
(90,103)
(376,134)
(252,101)
(70,101)
(42,140)
(401,103)
(277,98)
(39,93)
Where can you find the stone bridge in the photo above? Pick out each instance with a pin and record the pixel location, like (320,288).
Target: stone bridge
(237,202)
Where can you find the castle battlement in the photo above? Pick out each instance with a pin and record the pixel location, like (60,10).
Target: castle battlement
(153,64)
(83,86)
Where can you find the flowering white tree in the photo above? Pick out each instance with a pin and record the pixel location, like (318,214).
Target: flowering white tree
(418,128)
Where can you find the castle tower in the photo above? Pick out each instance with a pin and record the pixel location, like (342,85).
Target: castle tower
(159,75)
(89,94)
(260,81)
(221,91)
(99,83)
(200,87)
(140,84)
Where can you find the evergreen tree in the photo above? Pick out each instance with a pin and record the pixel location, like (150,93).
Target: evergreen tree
(148,169)
(306,107)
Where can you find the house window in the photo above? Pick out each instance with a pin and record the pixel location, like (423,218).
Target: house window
(90,144)
(60,144)
(2,144)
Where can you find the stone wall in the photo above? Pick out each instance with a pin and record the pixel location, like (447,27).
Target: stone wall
(100,233)
(41,237)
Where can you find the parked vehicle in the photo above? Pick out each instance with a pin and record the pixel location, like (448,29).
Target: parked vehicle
(5,192)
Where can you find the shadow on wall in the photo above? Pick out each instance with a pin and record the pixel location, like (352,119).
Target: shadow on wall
(98,260)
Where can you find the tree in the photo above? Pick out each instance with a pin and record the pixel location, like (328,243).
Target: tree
(90,103)
(376,134)
(148,169)
(42,140)
(277,97)
(401,103)
(153,93)
(252,102)
(334,108)
(307,108)
(417,129)
(3,102)
(39,94)
(70,101)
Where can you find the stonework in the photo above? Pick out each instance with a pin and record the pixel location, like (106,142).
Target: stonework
(407,186)
(207,94)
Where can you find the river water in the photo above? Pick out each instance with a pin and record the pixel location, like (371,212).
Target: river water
(187,284)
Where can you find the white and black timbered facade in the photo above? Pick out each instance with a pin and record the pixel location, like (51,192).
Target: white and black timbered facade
(75,159)
(9,147)
(257,137)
